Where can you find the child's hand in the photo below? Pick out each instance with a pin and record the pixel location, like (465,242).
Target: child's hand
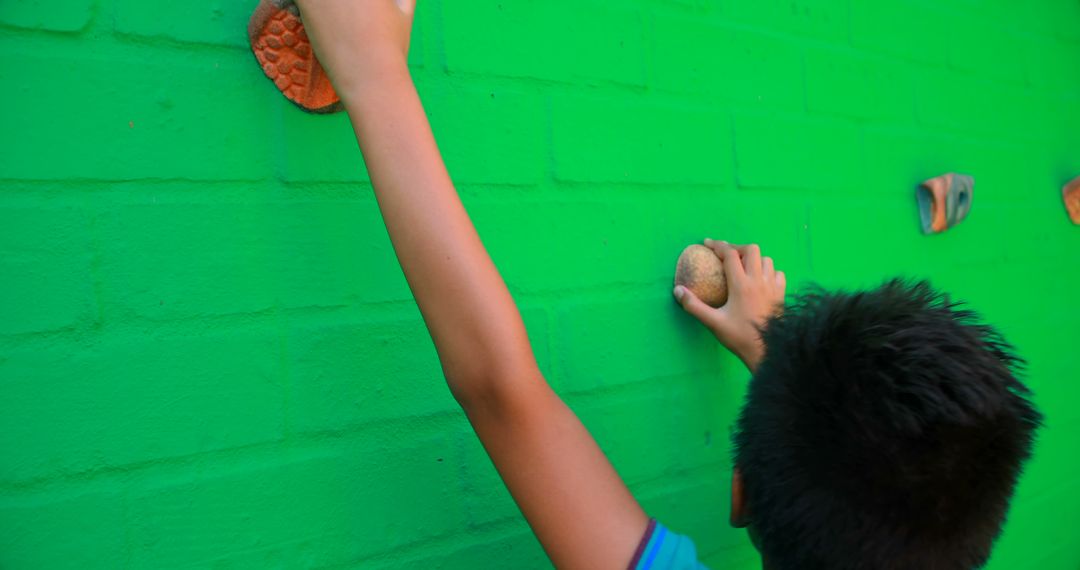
(357,41)
(755,293)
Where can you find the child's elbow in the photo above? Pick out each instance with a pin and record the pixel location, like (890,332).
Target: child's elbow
(494,389)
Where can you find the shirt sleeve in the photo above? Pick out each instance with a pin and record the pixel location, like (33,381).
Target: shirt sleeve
(661,549)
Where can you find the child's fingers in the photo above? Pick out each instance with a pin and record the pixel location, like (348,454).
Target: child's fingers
(781,280)
(732,256)
(767,269)
(407,6)
(718,247)
(733,265)
(752,260)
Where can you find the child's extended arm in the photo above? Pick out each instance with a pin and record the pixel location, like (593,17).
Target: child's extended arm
(577,505)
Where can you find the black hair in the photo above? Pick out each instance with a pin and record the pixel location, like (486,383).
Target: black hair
(883,430)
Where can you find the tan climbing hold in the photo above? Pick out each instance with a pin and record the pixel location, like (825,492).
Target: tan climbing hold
(702,272)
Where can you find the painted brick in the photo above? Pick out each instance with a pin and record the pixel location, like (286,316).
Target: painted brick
(1063,18)
(330,253)
(688,55)
(840,82)
(683,54)
(810,18)
(536,39)
(214,22)
(77,531)
(491,136)
(153,268)
(908,156)
(1044,521)
(136,399)
(391,370)
(766,70)
(45,258)
(610,243)
(210,125)
(969,105)
(1051,67)
(741,556)
(905,252)
(909,29)
(615,244)
(775,152)
(1001,59)
(44,15)
(609,343)
(643,430)
(607,140)
(311,500)
(263,255)
(317,148)
(517,550)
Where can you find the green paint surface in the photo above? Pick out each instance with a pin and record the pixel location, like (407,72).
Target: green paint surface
(210,359)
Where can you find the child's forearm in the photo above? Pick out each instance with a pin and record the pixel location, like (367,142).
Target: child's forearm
(468,310)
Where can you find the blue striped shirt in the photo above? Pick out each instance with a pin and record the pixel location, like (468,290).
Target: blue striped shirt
(661,549)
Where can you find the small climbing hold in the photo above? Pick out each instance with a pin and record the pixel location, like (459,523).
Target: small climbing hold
(284,52)
(1070,193)
(944,201)
(702,272)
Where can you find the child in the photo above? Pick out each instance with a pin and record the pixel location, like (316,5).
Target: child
(882,430)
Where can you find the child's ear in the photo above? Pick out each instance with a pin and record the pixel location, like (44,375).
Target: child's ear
(739,512)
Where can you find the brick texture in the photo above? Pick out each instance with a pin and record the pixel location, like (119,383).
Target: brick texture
(209,357)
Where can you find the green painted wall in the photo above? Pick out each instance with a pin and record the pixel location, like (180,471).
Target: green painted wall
(209,358)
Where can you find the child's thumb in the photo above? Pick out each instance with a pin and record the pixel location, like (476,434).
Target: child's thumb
(695,306)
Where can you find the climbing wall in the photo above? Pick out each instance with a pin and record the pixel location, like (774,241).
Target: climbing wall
(210,359)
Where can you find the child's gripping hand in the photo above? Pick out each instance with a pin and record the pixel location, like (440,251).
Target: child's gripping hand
(755,293)
(357,41)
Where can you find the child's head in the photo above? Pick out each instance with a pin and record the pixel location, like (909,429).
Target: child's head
(882,430)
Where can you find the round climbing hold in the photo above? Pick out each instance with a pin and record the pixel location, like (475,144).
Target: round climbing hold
(701,271)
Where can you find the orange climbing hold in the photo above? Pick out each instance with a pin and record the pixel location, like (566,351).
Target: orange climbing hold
(284,52)
(1071,194)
